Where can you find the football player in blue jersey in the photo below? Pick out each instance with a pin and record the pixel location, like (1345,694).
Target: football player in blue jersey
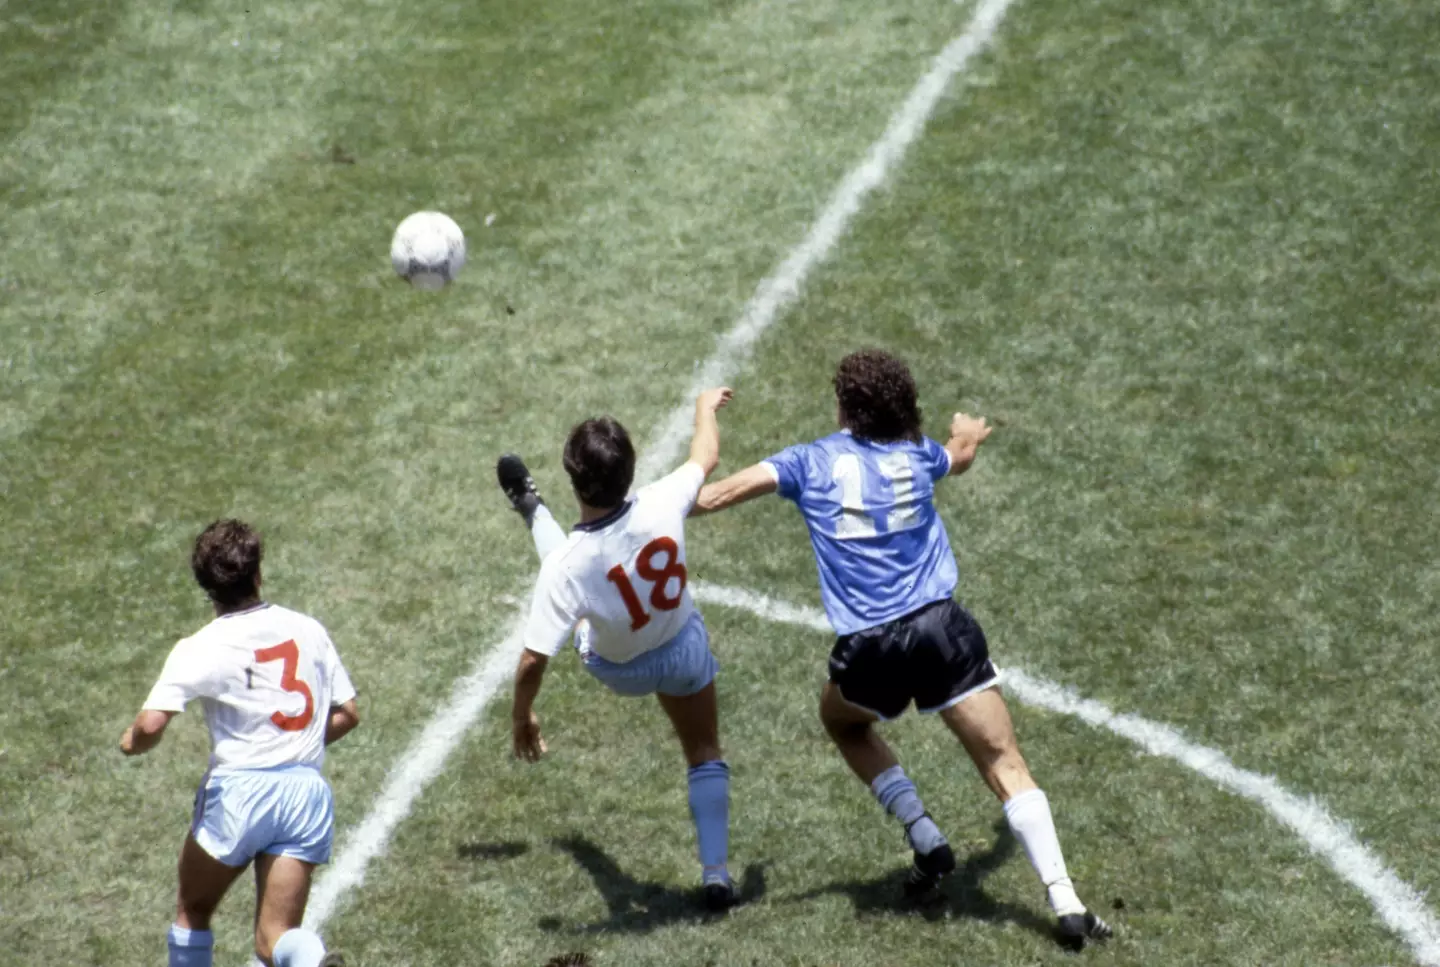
(887,578)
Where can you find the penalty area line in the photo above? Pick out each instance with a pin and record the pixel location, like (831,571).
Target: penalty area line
(425,757)
(1397,903)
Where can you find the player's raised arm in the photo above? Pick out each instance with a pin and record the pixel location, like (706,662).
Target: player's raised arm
(752,482)
(966,435)
(705,444)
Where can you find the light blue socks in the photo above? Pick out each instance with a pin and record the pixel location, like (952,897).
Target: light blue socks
(298,947)
(190,948)
(897,794)
(710,808)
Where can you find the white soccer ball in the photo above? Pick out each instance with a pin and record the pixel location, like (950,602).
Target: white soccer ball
(428,250)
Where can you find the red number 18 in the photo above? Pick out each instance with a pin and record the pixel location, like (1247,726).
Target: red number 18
(668,551)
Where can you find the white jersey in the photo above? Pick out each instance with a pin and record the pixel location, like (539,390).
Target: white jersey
(266,678)
(624,573)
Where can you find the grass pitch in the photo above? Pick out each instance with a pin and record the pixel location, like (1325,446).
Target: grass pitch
(1184,255)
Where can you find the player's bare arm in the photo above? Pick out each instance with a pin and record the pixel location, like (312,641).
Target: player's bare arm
(966,434)
(525,724)
(146,732)
(343,718)
(754,481)
(705,444)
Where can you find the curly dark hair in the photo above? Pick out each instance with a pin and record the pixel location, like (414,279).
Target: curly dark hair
(226,562)
(601,462)
(877,397)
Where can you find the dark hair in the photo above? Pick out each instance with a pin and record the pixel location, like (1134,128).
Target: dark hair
(226,562)
(600,461)
(877,397)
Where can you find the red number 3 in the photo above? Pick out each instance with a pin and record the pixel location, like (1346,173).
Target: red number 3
(289,653)
(668,551)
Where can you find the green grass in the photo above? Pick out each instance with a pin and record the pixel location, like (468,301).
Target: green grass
(1185,256)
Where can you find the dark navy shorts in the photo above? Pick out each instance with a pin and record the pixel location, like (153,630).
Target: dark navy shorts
(935,656)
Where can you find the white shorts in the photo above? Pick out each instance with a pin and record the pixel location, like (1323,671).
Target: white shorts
(682,666)
(285,812)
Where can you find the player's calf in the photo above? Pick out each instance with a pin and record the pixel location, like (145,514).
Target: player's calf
(982,724)
(695,718)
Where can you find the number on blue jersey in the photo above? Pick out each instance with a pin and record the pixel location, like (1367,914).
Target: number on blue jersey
(895,473)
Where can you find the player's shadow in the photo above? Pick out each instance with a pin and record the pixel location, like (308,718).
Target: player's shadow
(960,895)
(635,906)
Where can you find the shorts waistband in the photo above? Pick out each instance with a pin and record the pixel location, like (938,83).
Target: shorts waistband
(591,657)
(288,767)
(903,617)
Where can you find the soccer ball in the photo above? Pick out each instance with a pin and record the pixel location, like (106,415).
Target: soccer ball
(428,250)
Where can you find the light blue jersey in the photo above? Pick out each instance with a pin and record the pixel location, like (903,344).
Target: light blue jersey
(881,548)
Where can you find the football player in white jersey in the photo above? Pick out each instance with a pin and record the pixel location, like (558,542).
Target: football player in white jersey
(618,584)
(274,694)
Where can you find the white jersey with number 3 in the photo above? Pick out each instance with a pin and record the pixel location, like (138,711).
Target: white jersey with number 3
(266,678)
(624,573)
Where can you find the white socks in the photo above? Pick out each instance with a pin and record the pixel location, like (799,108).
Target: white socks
(298,947)
(547,534)
(1031,822)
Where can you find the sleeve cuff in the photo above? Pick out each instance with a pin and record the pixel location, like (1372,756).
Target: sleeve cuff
(772,470)
(164,700)
(545,650)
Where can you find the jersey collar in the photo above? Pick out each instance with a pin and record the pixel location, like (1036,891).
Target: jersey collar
(250,610)
(600,523)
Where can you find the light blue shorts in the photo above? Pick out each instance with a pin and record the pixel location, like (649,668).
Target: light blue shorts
(681,666)
(285,812)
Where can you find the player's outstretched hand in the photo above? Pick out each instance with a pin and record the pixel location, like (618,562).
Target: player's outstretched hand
(713,399)
(528,743)
(970,428)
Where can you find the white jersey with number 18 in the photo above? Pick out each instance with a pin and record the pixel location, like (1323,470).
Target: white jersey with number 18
(267,678)
(624,573)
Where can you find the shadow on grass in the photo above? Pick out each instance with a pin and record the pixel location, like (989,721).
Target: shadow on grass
(639,907)
(477,850)
(960,894)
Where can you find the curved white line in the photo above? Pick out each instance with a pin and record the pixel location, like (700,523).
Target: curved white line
(1397,903)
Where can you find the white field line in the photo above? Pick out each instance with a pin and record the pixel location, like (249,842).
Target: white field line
(1397,903)
(425,757)
(782,287)
(420,763)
